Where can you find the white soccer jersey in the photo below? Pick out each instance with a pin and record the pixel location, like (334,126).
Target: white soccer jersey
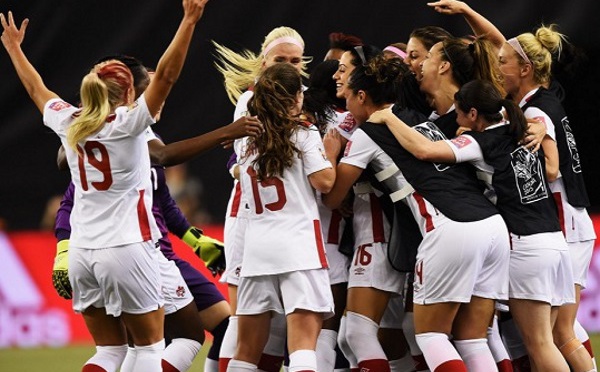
(361,151)
(345,124)
(332,222)
(113,191)
(576,224)
(241,107)
(284,232)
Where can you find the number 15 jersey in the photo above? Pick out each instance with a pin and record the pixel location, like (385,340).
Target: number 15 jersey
(111,173)
(284,232)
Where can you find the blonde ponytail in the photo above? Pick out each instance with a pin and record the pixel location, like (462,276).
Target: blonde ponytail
(94,99)
(108,85)
(239,70)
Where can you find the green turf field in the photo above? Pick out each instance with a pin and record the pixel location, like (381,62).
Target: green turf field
(70,359)
(67,359)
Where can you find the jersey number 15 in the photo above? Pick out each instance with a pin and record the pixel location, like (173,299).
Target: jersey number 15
(269,182)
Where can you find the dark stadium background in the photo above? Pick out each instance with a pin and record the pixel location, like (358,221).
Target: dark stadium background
(65,36)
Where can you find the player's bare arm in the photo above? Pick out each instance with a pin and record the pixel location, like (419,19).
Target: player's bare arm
(12,37)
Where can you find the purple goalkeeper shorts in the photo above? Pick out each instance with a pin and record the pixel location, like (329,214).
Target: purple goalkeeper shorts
(204,291)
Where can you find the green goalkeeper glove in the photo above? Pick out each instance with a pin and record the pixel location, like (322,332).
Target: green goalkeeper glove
(208,249)
(60,271)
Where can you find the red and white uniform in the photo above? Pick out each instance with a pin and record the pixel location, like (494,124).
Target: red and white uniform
(284,258)
(442,274)
(283,232)
(370,266)
(113,262)
(235,217)
(113,191)
(332,222)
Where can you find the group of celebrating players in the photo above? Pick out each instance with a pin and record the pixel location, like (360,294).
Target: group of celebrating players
(416,208)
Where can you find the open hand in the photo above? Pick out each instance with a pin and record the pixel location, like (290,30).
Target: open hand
(12,37)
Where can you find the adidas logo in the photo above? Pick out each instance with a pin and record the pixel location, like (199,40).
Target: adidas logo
(24,322)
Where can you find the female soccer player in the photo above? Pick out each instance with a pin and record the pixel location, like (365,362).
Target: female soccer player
(539,264)
(110,166)
(240,71)
(456,278)
(284,261)
(525,64)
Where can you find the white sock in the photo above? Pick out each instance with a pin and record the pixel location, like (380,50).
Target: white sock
(211,365)
(361,333)
(404,364)
(149,357)
(344,346)
(326,350)
(129,361)
(437,349)
(229,339)
(181,353)
(495,343)
(240,366)
(108,357)
(303,360)
(476,354)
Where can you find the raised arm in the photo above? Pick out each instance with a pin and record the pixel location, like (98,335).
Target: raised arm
(170,64)
(184,150)
(415,143)
(12,37)
(478,23)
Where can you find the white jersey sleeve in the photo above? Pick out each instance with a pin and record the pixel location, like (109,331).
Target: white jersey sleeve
(313,152)
(58,114)
(345,124)
(360,150)
(241,107)
(539,115)
(150,135)
(138,117)
(465,149)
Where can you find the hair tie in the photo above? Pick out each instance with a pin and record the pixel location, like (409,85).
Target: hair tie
(516,45)
(282,40)
(397,51)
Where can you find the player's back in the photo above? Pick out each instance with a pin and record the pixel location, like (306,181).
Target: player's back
(113,195)
(284,231)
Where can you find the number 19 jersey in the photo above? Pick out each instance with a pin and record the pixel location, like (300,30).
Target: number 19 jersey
(111,173)
(284,232)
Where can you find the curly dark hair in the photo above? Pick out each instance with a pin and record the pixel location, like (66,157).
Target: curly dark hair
(275,94)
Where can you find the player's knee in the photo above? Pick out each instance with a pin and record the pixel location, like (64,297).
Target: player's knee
(360,330)
(109,357)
